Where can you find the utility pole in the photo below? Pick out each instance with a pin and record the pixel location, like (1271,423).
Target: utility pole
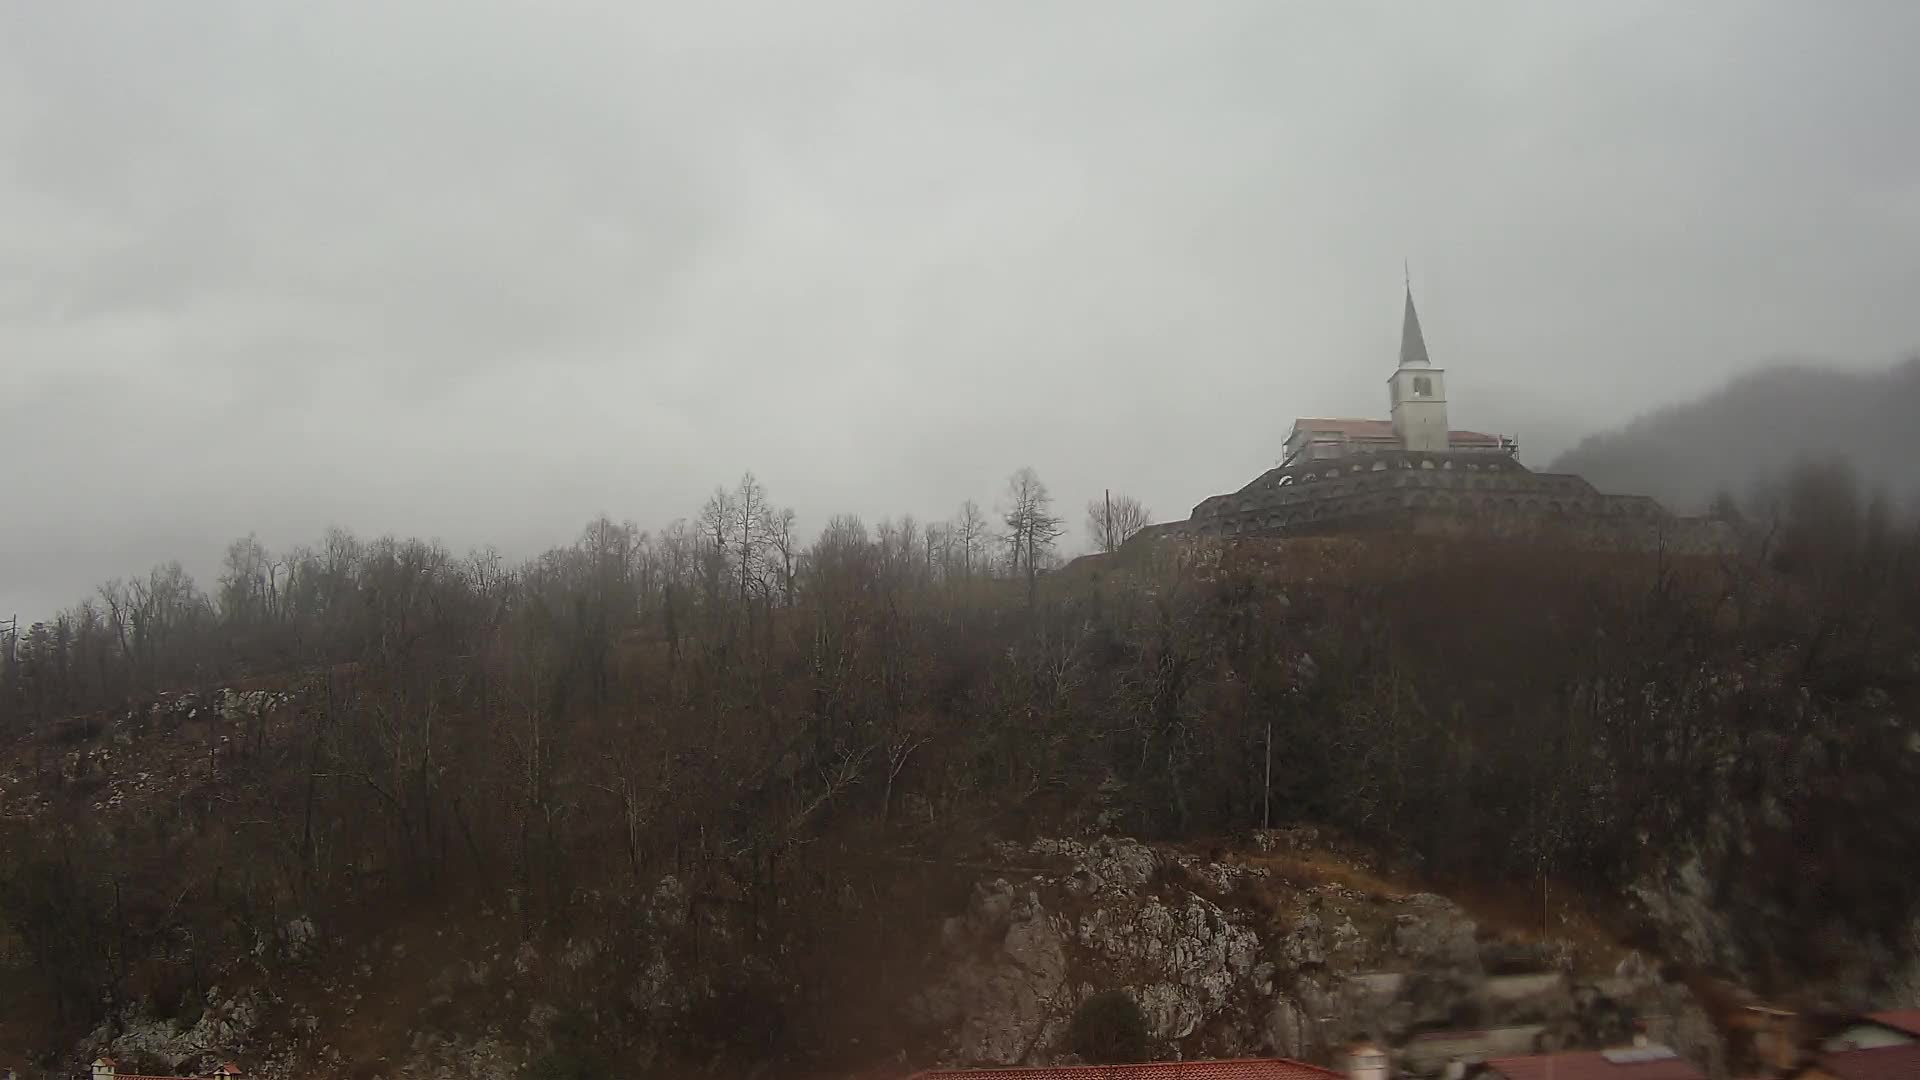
(1266,796)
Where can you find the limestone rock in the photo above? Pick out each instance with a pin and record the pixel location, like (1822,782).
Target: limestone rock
(1305,944)
(224,1028)
(1431,929)
(1109,864)
(1286,1030)
(1006,992)
(1195,949)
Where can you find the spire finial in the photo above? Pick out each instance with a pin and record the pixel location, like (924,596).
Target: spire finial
(1413,344)
(1406,267)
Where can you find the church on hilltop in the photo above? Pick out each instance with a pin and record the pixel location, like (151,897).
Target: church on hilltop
(1415,473)
(1418,392)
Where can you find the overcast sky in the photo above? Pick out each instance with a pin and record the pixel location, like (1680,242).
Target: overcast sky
(480,270)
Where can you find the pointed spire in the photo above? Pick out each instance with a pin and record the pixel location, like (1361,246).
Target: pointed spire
(1413,345)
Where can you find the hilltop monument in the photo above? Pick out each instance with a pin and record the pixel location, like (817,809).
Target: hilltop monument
(1414,473)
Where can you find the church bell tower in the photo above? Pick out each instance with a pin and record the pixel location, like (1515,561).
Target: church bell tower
(1419,390)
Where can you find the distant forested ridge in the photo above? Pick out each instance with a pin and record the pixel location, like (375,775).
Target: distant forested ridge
(1757,425)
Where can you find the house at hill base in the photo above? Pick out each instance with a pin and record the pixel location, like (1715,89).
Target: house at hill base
(106,1068)
(1415,473)
(1900,1061)
(1247,1069)
(1893,1027)
(1639,1062)
(1362,1060)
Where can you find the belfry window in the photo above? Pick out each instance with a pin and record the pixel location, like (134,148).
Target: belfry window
(1422,386)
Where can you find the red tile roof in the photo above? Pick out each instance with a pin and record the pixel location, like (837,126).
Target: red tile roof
(1251,1069)
(1880,1063)
(1591,1065)
(1343,425)
(229,1069)
(1907,1020)
(1375,429)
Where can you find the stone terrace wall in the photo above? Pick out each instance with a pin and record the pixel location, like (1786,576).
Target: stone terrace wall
(1445,494)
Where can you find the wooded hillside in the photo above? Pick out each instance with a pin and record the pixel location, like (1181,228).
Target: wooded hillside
(801,735)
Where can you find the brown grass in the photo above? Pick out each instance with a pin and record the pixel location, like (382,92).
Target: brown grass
(1509,911)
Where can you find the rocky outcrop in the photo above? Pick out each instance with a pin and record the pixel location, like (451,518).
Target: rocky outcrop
(1232,955)
(1225,959)
(1006,994)
(224,1027)
(1761,891)
(140,758)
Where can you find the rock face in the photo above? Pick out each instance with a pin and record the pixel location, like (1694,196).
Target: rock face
(223,1026)
(1706,928)
(1232,955)
(1006,992)
(1008,995)
(1733,895)
(1224,959)
(1197,958)
(141,757)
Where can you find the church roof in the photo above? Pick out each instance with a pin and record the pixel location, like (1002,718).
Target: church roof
(1413,344)
(1355,428)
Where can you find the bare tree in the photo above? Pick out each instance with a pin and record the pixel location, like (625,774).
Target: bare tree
(899,543)
(970,536)
(1032,527)
(248,583)
(716,518)
(1113,519)
(939,545)
(748,525)
(678,555)
(842,562)
(778,527)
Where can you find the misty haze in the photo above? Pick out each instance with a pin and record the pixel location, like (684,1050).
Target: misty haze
(852,539)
